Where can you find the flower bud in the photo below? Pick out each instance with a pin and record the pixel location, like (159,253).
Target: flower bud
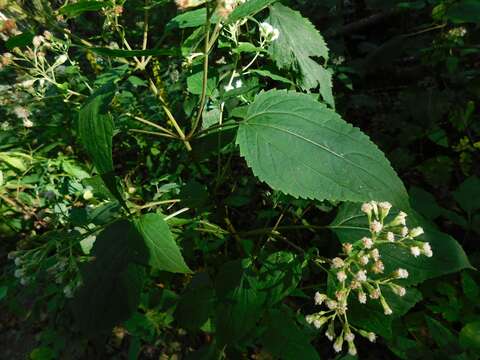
(338,344)
(427,250)
(367,242)
(415,250)
(401,274)
(415,232)
(337,263)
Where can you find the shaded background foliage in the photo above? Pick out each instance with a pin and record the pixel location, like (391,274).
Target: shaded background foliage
(406,73)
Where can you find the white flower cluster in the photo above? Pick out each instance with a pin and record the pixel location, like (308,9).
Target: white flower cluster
(43,59)
(360,273)
(268,33)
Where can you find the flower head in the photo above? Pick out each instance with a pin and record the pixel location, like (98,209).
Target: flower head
(427,249)
(415,232)
(376,227)
(337,263)
(401,274)
(415,250)
(367,242)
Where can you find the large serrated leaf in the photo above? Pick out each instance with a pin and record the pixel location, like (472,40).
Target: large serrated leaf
(112,282)
(95,128)
(285,340)
(297,44)
(249,8)
(164,251)
(351,225)
(300,147)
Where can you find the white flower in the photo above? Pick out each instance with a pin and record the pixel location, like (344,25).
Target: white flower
(415,250)
(404,231)
(19,273)
(367,208)
(61,59)
(372,337)
(399,290)
(309,319)
(37,41)
(12,255)
(238,84)
(318,323)
(18,261)
(378,267)
(363,260)
(400,219)
(367,243)
(87,195)
(275,35)
(67,290)
(376,227)
(352,350)
(347,248)
(21,112)
(268,32)
(384,208)
(48,35)
(320,298)
(386,308)
(362,298)
(427,250)
(401,274)
(27,123)
(338,344)
(415,232)
(390,236)
(375,254)
(349,336)
(341,276)
(337,263)
(375,294)
(361,275)
(331,304)
(24,281)
(5,126)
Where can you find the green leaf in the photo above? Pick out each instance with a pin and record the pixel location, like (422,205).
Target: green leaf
(112,281)
(470,336)
(164,251)
(78,8)
(249,8)
(300,147)
(351,225)
(42,353)
(464,11)
(470,287)
(240,306)
(95,127)
(279,276)
(131,53)
(297,44)
(371,316)
(196,303)
(190,19)
(468,194)
(284,340)
(440,334)
(3,292)
(19,41)
(195,83)
(266,73)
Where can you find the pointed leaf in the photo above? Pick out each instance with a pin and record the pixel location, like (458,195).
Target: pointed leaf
(164,251)
(297,44)
(300,147)
(95,127)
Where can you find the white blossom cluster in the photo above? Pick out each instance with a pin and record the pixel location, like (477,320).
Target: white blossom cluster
(64,271)
(359,272)
(44,59)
